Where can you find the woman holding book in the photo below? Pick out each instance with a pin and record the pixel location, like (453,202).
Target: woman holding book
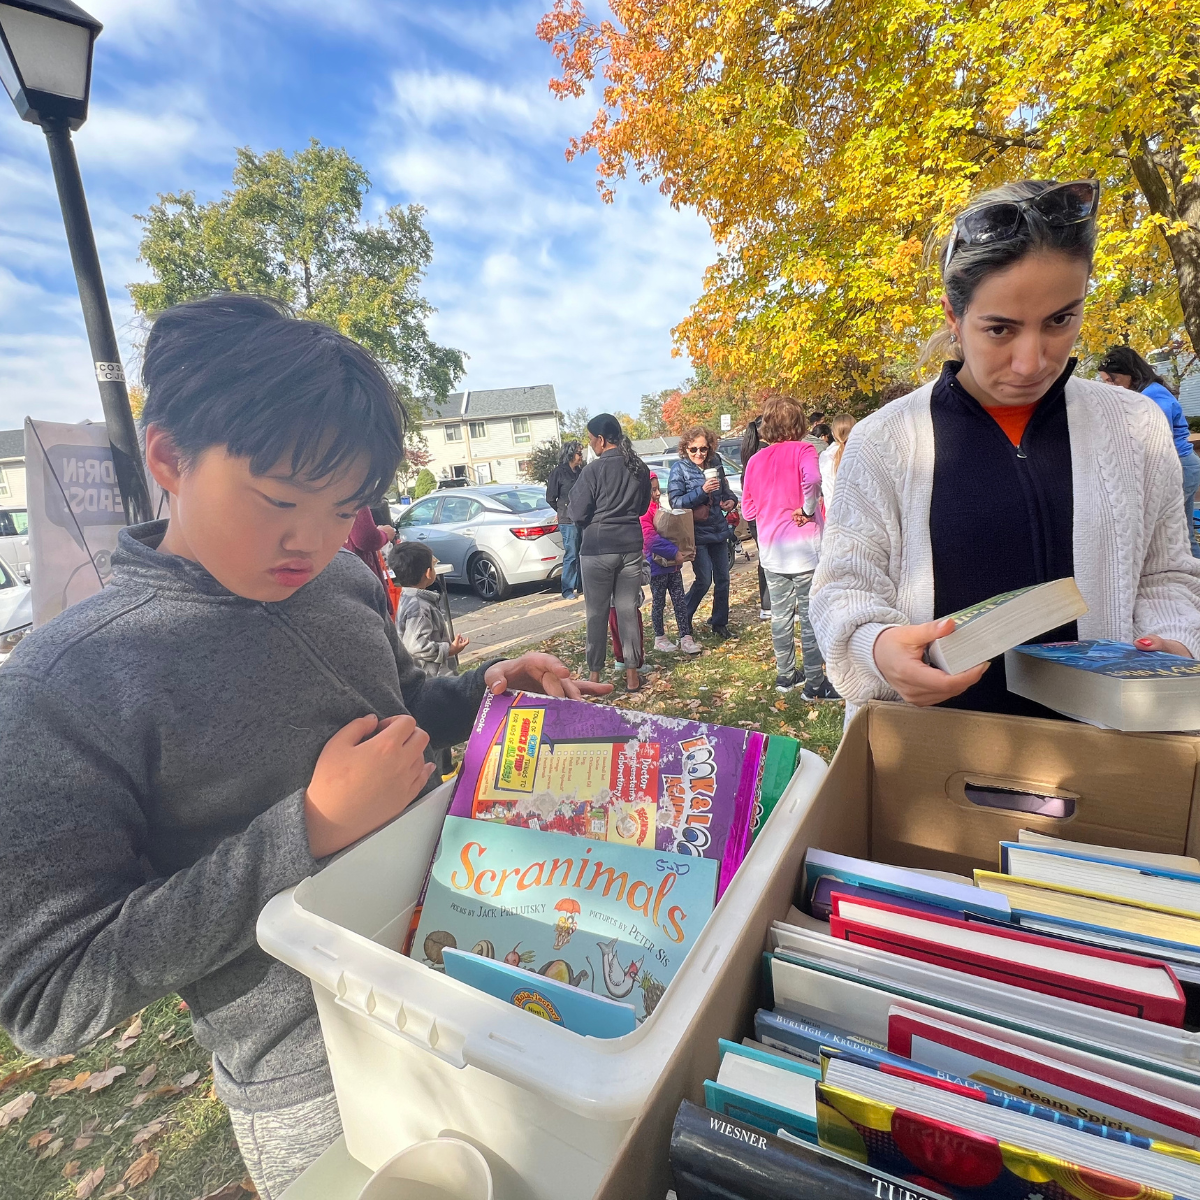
(1004,472)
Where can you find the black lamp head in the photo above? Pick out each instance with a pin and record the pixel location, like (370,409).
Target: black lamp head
(46,59)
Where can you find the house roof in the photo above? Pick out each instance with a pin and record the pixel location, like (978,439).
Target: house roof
(12,443)
(496,402)
(658,445)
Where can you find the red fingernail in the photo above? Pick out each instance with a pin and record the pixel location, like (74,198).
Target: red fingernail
(1144,642)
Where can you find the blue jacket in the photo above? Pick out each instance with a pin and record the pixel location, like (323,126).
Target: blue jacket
(685,488)
(1170,405)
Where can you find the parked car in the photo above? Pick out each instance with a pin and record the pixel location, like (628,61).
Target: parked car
(14,540)
(16,610)
(730,449)
(492,536)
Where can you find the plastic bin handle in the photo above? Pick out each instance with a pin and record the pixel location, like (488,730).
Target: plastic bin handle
(412,1023)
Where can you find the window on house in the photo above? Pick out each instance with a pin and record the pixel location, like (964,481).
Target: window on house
(523,465)
(478,429)
(4,488)
(454,433)
(520,426)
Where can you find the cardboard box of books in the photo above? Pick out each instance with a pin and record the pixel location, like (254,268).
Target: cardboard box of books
(940,791)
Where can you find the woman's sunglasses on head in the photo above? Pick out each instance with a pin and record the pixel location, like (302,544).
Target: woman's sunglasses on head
(1062,205)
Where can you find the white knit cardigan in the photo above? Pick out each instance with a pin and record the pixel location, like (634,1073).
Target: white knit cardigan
(1132,559)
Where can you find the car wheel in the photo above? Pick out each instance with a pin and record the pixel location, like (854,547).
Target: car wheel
(487,579)
(732,555)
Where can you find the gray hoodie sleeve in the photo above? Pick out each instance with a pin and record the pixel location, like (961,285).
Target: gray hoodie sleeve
(87,934)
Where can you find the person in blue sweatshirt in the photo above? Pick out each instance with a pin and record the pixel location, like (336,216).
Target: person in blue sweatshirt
(233,708)
(1125,367)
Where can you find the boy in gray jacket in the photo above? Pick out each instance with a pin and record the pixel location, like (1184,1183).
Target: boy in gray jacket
(231,710)
(420,621)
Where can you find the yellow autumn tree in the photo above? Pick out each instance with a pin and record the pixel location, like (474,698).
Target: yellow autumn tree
(829,144)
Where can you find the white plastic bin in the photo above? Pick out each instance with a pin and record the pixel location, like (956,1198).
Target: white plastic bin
(416,1055)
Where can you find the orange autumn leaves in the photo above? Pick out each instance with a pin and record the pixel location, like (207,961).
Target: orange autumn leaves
(829,143)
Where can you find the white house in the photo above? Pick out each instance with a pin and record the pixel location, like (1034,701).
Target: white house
(12,468)
(487,436)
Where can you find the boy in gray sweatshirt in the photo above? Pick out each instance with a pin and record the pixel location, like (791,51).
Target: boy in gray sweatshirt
(232,709)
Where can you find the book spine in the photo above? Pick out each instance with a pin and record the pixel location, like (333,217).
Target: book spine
(757,1113)
(738,840)
(1163,1010)
(714,1156)
(804,1038)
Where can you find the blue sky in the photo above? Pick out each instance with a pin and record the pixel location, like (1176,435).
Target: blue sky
(444,102)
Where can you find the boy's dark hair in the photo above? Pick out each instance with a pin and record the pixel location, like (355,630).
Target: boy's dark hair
(240,371)
(409,562)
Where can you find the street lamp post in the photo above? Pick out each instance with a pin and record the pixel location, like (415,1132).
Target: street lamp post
(46,67)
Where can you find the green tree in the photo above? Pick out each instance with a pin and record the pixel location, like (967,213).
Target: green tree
(291,227)
(574,424)
(633,429)
(425,483)
(542,461)
(650,412)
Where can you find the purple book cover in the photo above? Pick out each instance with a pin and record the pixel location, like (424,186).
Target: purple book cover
(613,775)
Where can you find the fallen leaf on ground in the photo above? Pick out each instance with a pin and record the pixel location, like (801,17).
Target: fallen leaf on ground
(167,1089)
(119,1190)
(237,1190)
(183,1006)
(141,1169)
(19,1075)
(101,1079)
(39,1139)
(82,1143)
(166,1037)
(58,1061)
(88,1183)
(248,1186)
(147,1075)
(107,1034)
(53,1149)
(71,1169)
(187,1080)
(60,1087)
(90,1125)
(14,1110)
(140,1099)
(148,1131)
(131,1034)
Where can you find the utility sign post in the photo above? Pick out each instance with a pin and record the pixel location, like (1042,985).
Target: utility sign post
(725,423)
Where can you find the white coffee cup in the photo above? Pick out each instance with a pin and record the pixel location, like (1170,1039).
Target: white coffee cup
(711,472)
(442,1169)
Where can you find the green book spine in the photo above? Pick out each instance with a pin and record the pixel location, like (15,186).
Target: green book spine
(778,768)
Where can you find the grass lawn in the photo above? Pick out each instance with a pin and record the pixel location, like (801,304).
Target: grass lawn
(184,1145)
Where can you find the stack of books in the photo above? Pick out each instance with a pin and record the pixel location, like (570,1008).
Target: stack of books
(930,1036)
(585,849)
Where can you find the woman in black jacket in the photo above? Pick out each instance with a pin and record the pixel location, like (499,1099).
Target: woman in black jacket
(607,503)
(558,496)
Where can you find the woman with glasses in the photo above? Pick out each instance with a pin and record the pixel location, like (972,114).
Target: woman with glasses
(1125,367)
(1004,472)
(697,481)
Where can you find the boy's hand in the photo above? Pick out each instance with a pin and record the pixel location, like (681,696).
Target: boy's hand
(689,555)
(460,643)
(679,559)
(368,773)
(542,673)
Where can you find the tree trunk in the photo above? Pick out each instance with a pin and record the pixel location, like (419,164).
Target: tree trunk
(1183,207)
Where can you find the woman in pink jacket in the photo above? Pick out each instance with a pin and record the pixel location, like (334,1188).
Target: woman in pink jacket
(781,491)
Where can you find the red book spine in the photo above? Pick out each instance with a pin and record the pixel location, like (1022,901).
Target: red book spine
(1166,1010)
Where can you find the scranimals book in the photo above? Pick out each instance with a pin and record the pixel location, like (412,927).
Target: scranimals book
(635,779)
(615,919)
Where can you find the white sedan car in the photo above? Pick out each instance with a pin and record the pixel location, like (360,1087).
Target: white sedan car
(492,536)
(16,610)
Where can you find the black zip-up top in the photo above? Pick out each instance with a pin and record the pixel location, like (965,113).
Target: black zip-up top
(1000,516)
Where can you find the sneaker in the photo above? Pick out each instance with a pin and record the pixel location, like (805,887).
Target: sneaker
(723,632)
(785,683)
(689,645)
(823,691)
(764,614)
(664,645)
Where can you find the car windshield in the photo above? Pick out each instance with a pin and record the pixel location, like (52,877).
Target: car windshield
(520,500)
